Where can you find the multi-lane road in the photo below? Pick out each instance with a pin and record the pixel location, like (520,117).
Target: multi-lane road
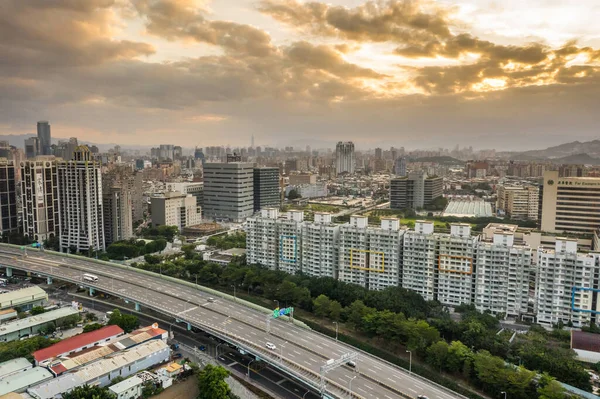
(299,352)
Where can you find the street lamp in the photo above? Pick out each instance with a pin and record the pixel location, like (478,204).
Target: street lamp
(409,362)
(234,296)
(306,393)
(504,394)
(336,330)
(350,386)
(248,373)
(281,351)
(217,350)
(196,281)
(226,324)
(275,300)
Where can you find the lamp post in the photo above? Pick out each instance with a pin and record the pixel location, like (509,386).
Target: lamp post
(409,362)
(217,350)
(248,373)
(350,386)
(504,394)
(306,393)
(234,294)
(336,330)
(227,319)
(275,300)
(281,351)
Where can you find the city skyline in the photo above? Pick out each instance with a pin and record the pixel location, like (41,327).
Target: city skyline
(419,74)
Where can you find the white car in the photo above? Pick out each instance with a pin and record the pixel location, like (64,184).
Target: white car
(271,346)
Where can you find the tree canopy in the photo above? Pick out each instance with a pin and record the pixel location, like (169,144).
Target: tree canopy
(211,383)
(88,392)
(127,322)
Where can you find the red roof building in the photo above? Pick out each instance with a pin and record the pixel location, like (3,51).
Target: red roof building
(77,343)
(586,345)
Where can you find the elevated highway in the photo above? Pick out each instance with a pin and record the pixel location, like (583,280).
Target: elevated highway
(299,351)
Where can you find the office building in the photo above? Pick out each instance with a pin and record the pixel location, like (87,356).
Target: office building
(66,149)
(44,138)
(570,204)
(319,246)
(518,202)
(195,189)
(8,198)
(503,269)
(344,157)
(80,200)
(40,199)
(415,190)
(262,240)
(400,166)
(175,209)
(266,188)
(32,147)
(289,234)
(229,191)
(566,289)
(166,152)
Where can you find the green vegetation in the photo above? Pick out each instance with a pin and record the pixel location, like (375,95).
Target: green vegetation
(127,322)
(149,390)
(211,382)
(88,392)
(228,241)
(158,232)
(67,322)
(293,194)
(133,248)
(37,310)
(14,349)
(438,204)
(92,327)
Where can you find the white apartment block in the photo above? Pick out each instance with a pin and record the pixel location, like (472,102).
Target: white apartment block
(502,275)
(289,231)
(39,198)
(175,209)
(80,201)
(353,256)
(565,289)
(456,253)
(385,252)
(262,241)
(320,246)
(419,260)
(518,202)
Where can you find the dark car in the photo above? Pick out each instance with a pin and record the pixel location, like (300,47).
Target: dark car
(202,347)
(177,356)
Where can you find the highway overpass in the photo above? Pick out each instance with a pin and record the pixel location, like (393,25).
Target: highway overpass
(299,351)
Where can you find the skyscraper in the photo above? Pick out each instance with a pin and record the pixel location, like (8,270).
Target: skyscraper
(44,137)
(266,188)
(8,198)
(344,157)
(229,190)
(80,193)
(32,147)
(414,191)
(400,166)
(116,205)
(39,199)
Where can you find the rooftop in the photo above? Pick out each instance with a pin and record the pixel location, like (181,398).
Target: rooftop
(21,324)
(466,208)
(76,342)
(22,296)
(24,379)
(126,384)
(585,341)
(13,366)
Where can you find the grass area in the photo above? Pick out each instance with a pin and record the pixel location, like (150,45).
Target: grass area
(437,224)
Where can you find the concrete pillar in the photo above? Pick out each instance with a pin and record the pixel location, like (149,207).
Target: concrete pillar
(49,280)
(137,307)
(189,326)
(9,272)
(91,291)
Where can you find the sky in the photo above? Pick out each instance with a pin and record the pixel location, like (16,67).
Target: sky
(504,74)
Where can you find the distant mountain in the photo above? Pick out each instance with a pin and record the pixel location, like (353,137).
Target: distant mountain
(591,148)
(578,159)
(443,160)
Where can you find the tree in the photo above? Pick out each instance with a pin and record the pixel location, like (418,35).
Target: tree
(549,388)
(88,392)
(293,194)
(92,327)
(335,310)
(437,354)
(126,321)
(321,305)
(37,310)
(211,381)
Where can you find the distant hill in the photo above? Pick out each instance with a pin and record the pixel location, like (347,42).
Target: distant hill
(578,159)
(591,148)
(443,160)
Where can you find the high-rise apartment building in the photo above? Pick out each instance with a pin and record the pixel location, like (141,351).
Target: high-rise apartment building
(400,166)
(117,208)
(40,199)
(44,137)
(289,234)
(518,202)
(503,269)
(319,246)
(80,200)
(66,149)
(344,157)
(196,189)
(166,152)
(8,198)
(570,204)
(229,190)
(414,191)
(420,260)
(262,241)
(32,147)
(266,188)
(566,287)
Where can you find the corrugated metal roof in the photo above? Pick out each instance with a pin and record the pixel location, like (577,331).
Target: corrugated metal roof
(24,295)
(13,366)
(36,320)
(468,208)
(24,379)
(126,384)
